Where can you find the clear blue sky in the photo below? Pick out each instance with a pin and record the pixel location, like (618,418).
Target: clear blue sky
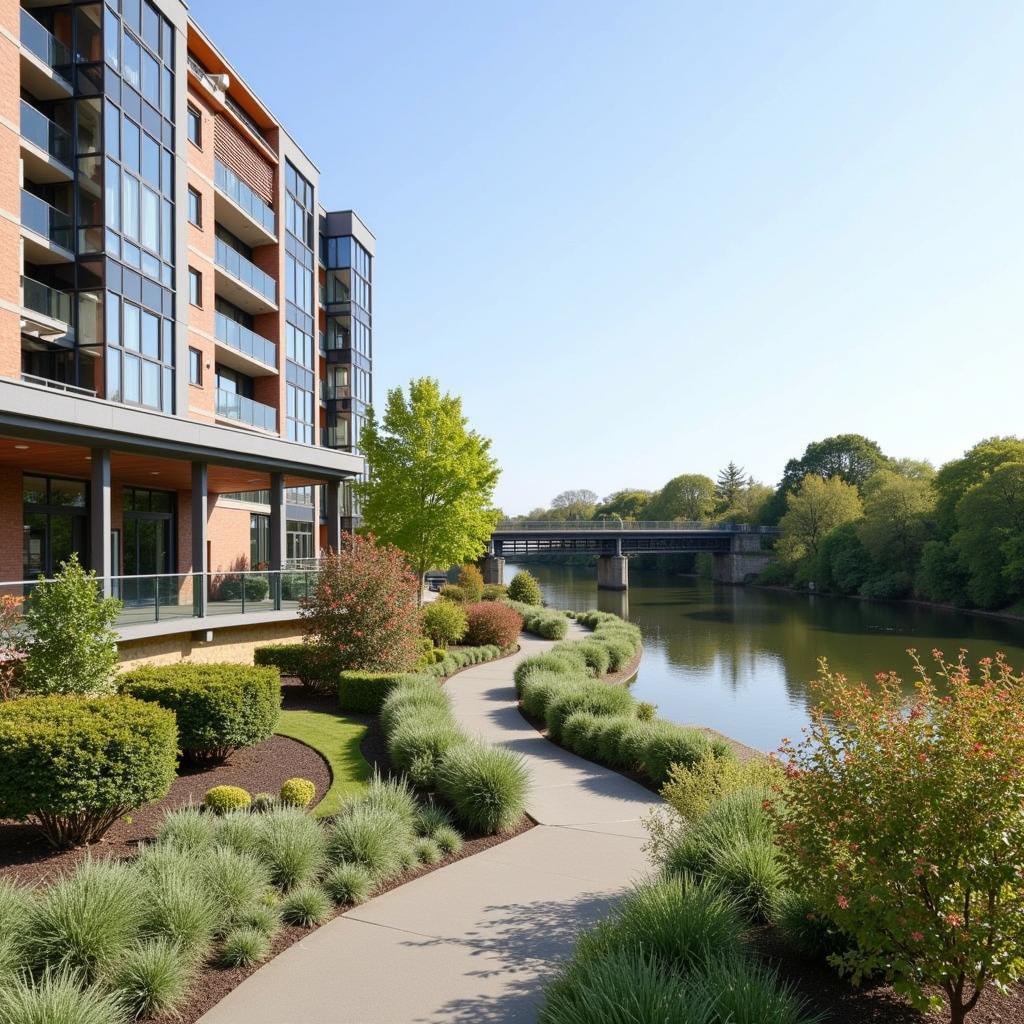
(644,239)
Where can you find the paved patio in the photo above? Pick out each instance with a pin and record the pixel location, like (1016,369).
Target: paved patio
(474,942)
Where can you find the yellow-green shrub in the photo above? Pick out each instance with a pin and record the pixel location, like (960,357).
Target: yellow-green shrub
(221,799)
(298,792)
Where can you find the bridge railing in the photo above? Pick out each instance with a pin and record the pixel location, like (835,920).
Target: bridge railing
(616,526)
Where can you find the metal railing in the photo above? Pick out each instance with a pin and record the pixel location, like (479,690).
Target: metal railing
(241,195)
(58,385)
(41,298)
(38,40)
(165,597)
(38,129)
(237,407)
(46,220)
(243,340)
(245,271)
(616,525)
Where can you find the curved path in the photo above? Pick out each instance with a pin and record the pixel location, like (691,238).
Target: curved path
(473,942)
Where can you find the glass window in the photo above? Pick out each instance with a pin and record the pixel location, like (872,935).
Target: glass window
(168,341)
(151,219)
(195,126)
(33,490)
(151,159)
(131,145)
(195,287)
(167,231)
(167,95)
(195,207)
(151,384)
(112,130)
(113,375)
(132,366)
(150,335)
(113,319)
(130,206)
(112,184)
(132,327)
(132,62)
(150,79)
(167,174)
(151,27)
(195,367)
(111,37)
(67,492)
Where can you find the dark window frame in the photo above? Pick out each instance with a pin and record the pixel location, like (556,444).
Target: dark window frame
(194,193)
(195,276)
(195,367)
(194,119)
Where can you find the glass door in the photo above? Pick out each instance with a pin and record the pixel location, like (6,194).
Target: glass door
(148,546)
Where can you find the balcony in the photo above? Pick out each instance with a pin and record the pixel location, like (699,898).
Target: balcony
(240,409)
(242,283)
(44,61)
(45,147)
(241,211)
(45,311)
(48,233)
(243,349)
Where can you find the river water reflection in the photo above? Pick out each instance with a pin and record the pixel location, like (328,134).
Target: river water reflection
(739,659)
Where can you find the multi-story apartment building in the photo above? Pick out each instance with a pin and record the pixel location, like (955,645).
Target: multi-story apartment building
(185,326)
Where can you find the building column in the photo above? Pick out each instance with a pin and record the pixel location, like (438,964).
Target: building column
(278,537)
(200,511)
(100,551)
(332,513)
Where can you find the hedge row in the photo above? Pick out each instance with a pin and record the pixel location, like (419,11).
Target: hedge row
(299,660)
(603,722)
(219,708)
(485,786)
(543,622)
(365,692)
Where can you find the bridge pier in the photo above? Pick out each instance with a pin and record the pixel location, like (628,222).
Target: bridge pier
(744,558)
(494,569)
(612,572)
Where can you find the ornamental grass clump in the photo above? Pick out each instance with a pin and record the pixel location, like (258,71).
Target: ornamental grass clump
(187,828)
(939,779)
(349,884)
(245,946)
(362,613)
(151,977)
(72,766)
(292,845)
(59,997)
(234,882)
(306,906)
(485,786)
(375,837)
(175,904)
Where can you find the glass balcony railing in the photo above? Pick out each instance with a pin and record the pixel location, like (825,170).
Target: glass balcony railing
(240,193)
(46,134)
(244,410)
(41,298)
(36,39)
(46,220)
(245,341)
(245,271)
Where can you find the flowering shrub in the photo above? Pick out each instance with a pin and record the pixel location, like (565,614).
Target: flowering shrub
(12,646)
(904,824)
(362,611)
(491,622)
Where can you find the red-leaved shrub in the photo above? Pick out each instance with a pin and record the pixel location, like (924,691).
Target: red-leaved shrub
(362,613)
(491,622)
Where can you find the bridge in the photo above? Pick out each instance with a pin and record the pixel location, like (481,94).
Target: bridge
(738,550)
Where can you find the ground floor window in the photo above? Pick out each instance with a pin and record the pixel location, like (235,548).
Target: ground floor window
(259,541)
(55,525)
(299,540)
(148,532)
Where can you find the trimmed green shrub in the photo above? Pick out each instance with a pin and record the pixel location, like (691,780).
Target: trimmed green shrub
(293,846)
(494,592)
(486,787)
(540,688)
(375,837)
(245,946)
(453,592)
(492,623)
(151,977)
(58,997)
(219,708)
(444,622)
(595,653)
(585,695)
(232,586)
(221,799)
(73,765)
(543,622)
(670,744)
(581,733)
(306,906)
(301,661)
(525,589)
(562,659)
(447,838)
(620,652)
(365,692)
(349,884)
(298,792)
(73,646)
(86,921)
(621,986)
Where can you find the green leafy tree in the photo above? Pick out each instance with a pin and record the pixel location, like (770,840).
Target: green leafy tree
(72,646)
(572,505)
(851,457)
(813,510)
(843,563)
(627,504)
(990,536)
(903,826)
(897,519)
(731,482)
(690,496)
(749,504)
(431,485)
(956,478)
(940,576)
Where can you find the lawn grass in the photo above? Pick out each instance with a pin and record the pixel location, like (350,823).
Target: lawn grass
(337,738)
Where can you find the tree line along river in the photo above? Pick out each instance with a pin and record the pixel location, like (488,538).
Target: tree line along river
(739,659)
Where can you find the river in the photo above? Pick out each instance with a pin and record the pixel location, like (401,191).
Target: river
(739,659)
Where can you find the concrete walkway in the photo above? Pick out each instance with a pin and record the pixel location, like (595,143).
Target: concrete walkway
(473,942)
